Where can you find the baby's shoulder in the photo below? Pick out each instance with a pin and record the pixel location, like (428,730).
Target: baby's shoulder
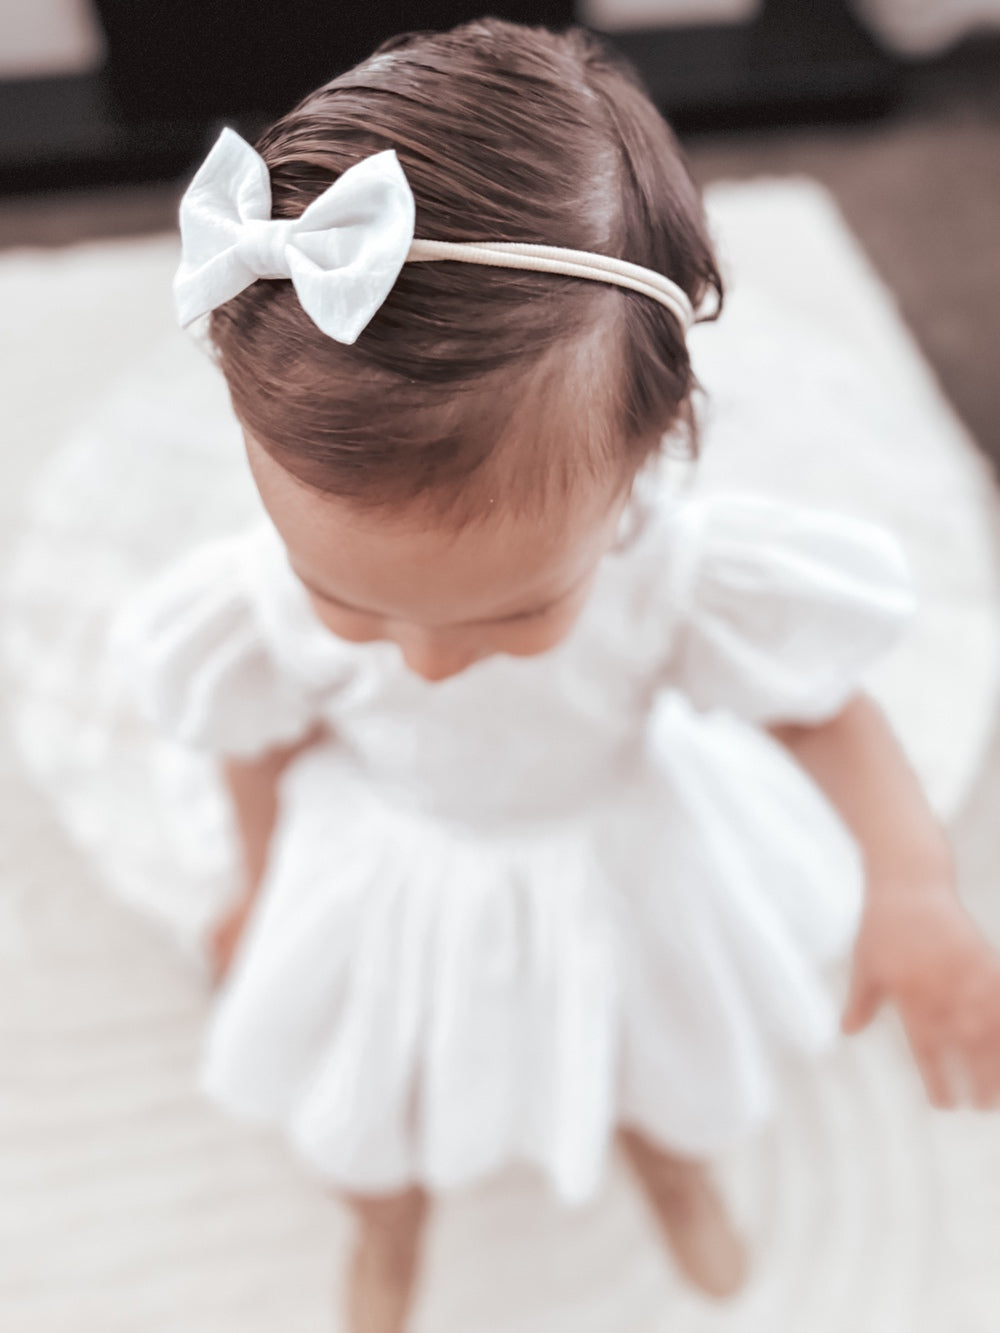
(736,559)
(221,648)
(686,541)
(769,608)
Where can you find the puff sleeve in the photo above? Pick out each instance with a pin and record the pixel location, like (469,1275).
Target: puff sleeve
(780,609)
(197,652)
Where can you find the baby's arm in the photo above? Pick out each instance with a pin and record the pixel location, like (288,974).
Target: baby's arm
(916,946)
(253,791)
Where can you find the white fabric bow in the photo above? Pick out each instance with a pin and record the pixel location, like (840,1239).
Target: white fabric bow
(343,254)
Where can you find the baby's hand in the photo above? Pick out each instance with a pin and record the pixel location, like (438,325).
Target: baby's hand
(919,949)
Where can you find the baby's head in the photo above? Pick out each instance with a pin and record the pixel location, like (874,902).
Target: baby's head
(452,479)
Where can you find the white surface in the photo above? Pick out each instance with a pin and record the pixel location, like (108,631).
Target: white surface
(862,426)
(817,393)
(126,1203)
(47,37)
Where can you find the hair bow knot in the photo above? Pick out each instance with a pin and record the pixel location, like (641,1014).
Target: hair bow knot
(342,254)
(262,246)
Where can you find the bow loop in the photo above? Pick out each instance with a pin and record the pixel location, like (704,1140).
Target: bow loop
(342,254)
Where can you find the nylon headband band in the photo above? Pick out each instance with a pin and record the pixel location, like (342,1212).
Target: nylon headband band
(555,259)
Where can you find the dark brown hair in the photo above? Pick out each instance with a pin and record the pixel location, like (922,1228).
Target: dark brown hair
(471,383)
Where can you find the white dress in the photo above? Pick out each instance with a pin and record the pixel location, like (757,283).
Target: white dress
(510,910)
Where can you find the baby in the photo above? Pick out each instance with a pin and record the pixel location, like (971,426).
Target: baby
(556,793)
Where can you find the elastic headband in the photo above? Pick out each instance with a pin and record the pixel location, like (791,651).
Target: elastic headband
(554,259)
(344,253)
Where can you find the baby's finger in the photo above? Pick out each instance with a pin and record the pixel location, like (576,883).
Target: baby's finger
(983,1064)
(930,1057)
(861,1007)
(974,1029)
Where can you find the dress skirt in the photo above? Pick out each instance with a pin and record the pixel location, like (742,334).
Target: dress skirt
(418,1000)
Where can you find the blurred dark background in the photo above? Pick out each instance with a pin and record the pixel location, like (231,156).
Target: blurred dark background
(98,136)
(173,68)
